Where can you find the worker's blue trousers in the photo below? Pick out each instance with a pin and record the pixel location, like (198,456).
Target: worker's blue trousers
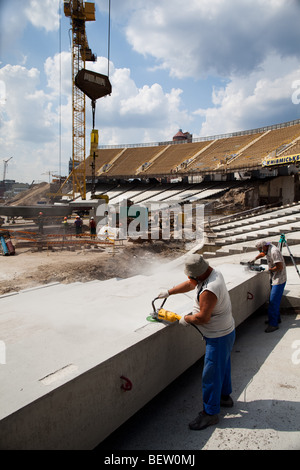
(216,377)
(274,303)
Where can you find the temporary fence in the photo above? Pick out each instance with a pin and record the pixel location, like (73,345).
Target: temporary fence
(36,239)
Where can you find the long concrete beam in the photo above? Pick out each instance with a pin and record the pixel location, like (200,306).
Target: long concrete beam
(82,359)
(28,212)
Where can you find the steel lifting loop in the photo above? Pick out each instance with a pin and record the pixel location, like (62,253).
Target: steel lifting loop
(127,385)
(250,296)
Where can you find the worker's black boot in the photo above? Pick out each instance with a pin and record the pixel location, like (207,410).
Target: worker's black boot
(226,401)
(271,328)
(202,421)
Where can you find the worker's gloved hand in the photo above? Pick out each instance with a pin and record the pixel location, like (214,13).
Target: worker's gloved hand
(163,295)
(252,261)
(183,322)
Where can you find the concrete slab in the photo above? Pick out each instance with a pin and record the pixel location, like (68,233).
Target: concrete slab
(67,351)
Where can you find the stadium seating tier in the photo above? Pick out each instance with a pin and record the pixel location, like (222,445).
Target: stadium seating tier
(235,152)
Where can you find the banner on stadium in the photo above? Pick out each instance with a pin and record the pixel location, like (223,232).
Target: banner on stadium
(287,160)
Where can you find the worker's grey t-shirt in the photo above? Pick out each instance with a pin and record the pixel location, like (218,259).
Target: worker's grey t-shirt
(221,322)
(274,256)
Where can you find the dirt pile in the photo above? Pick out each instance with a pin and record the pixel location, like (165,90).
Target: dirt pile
(37,193)
(234,197)
(28,269)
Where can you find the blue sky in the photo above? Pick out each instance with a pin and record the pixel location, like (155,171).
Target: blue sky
(206,66)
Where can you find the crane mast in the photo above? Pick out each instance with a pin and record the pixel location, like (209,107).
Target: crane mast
(79,12)
(5,168)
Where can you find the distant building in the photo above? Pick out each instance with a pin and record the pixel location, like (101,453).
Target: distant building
(13,188)
(182,136)
(5,185)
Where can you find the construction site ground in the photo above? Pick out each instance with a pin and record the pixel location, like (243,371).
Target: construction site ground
(30,267)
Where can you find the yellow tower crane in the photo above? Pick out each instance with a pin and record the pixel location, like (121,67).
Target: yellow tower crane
(79,12)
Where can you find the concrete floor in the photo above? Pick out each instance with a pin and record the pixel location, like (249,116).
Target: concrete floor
(266,412)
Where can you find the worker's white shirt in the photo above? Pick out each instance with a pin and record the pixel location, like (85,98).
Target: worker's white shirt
(221,322)
(274,256)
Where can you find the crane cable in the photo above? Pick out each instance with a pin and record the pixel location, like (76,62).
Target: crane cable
(108,39)
(60,91)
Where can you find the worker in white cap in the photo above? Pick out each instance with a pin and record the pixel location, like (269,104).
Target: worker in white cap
(277,270)
(213,313)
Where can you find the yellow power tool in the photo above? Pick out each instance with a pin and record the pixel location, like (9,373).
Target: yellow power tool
(166,315)
(162,314)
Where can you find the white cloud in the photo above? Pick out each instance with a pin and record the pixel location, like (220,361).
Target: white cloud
(136,114)
(214,37)
(58,72)
(31,115)
(27,110)
(43,14)
(29,127)
(15,14)
(262,98)
(252,44)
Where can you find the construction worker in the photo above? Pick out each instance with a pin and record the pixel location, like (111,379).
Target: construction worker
(65,226)
(41,222)
(213,313)
(92,227)
(277,270)
(78,226)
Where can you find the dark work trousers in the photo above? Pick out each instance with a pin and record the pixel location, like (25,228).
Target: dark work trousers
(274,303)
(216,377)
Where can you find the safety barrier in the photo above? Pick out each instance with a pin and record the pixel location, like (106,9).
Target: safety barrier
(60,239)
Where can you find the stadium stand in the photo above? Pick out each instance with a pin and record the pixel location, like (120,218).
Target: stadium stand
(217,154)
(174,156)
(292,149)
(132,159)
(237,233)
(269,142)
(220,153)
(103,160)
